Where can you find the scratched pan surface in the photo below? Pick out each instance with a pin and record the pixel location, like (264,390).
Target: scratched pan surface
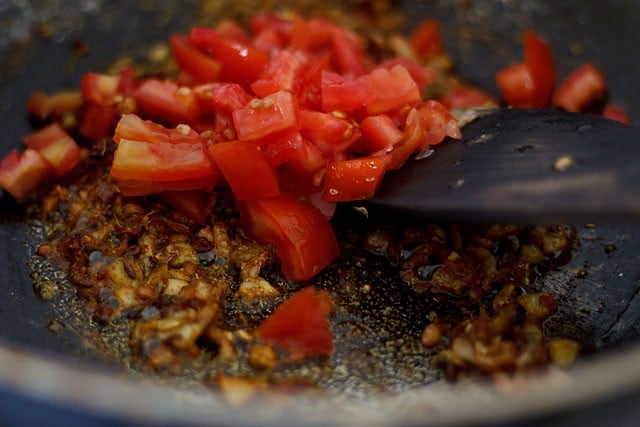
(49,373)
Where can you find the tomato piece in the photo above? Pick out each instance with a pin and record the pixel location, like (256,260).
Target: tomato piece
(466,97)
(426,39)
(311,34)
(303,238)
(390,89)
(413,137)
(516,85)
(613,112)
(193,204)
(245,169)
(297,153)
(380,133)
(354,179)
(22,174)
(340,93)
(198,65)
(56,147)
(137,187)
(162,161)
(42,105)
(101,89)
(97,121)
(262,117)
(132,127)
(241,63)
(166,101)
(233,31)
(348,53)
(300,325)
(268,41)
(422,75)
(330,132)
(438,123)
(222,97)
(582,88)
(281,73)
(128,82)
(271,22)
(539,60)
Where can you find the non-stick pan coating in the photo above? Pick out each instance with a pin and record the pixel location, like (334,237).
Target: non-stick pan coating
(602,309)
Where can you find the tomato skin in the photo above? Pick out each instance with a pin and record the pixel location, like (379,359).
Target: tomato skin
(516,85)
(300,325)
(580,89)
(22,174)
(167,102)
(56,147)
(262,117)
(539,60)
(304,241)
(198,65)
(380,133)
(613,112)
(354,179)
(245,169)
(241,63)
(426,39)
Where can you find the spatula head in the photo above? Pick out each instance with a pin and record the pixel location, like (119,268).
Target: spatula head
(521,166)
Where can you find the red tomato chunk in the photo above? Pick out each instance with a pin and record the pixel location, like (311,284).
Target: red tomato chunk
(300,326)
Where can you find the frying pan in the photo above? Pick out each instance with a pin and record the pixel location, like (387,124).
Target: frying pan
(51,373)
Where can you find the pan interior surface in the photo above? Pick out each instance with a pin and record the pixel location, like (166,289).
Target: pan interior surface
(39,48)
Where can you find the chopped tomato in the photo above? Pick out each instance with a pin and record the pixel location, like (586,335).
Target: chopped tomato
(332,133)
(222,97)
(101,89)
(56,147)
(303,238)
(201,67)
(193,203)
(166,101)
(263,117)
(438,123)
(390,89)
(465,97)
(42,105)
(311,34)
(300,325)
(353,179)
(297,153)
(22,174)
(380,133)
(539,60)
(340,93)
(97,121)
(516,85)
(613,112)
(422,75)
(161,161)
(413,137)
(245,169)
(137,187)
(281,73)
(581,89)
(240,62)
(348,53)
(426,39)
(131,126)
